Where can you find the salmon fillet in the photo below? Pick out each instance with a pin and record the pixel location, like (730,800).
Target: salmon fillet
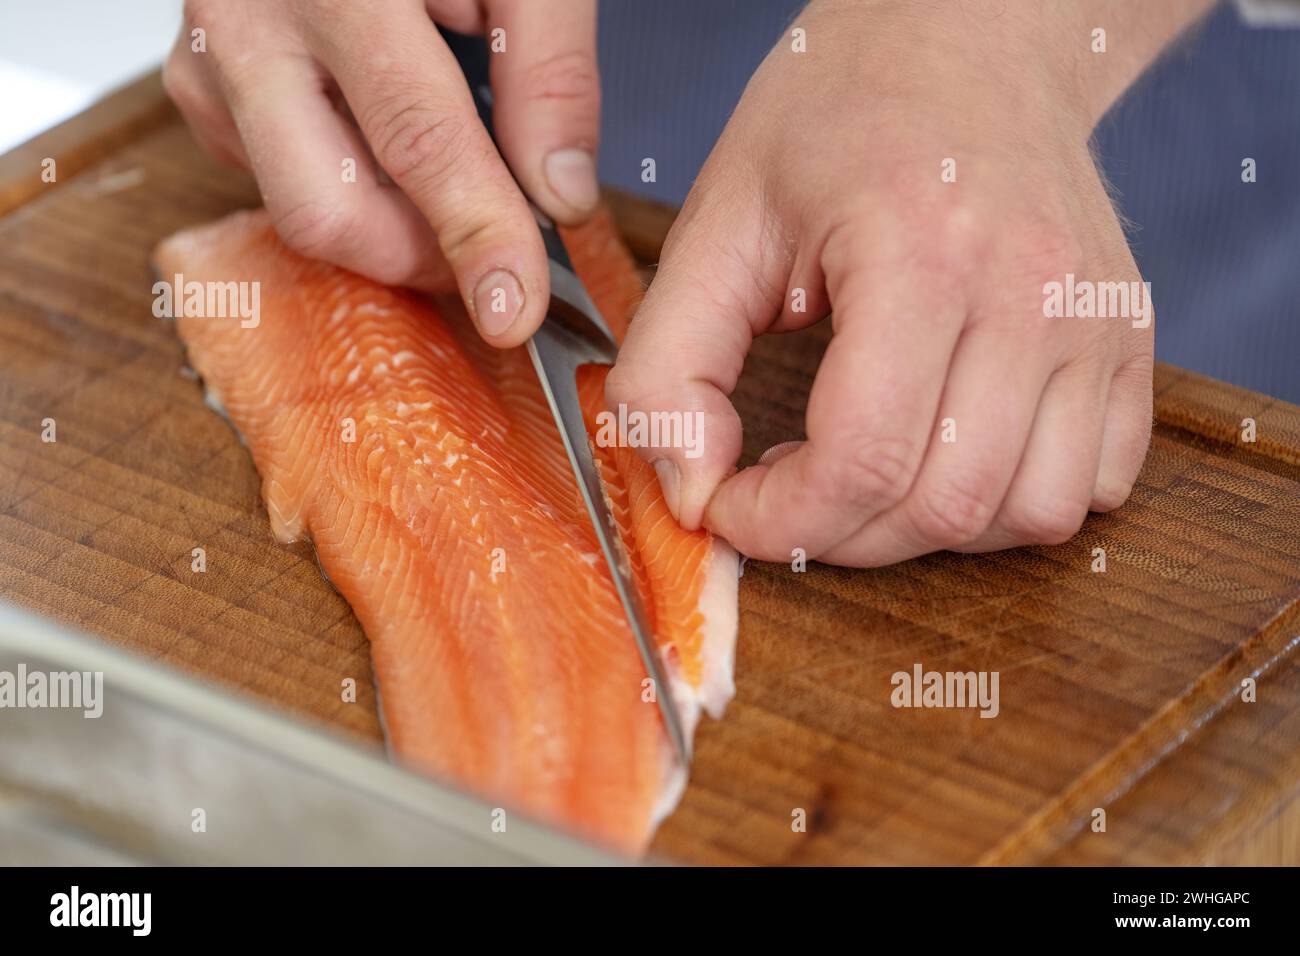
(427,471)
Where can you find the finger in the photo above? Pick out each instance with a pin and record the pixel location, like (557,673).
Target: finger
(409,97)
(189,83)
(687,344)
(985,417)
(319,183)
(1052,488)
(869,417)
(1127,432)
(459,16)
(546,101)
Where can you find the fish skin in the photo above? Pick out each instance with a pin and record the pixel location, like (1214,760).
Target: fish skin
(510,672)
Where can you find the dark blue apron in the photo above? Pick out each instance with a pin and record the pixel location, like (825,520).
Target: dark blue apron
(1223,256)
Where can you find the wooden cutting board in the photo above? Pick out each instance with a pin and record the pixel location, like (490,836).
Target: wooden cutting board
(1120,691)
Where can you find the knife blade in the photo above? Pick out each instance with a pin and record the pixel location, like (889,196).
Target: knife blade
(574,334)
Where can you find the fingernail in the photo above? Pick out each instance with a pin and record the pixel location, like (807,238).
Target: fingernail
(498,301)
(670,482)
(777,452)
(571,173)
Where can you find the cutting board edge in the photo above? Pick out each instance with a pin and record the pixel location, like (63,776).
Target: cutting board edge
(82,140)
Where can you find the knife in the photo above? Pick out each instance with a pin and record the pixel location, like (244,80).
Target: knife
(574,334)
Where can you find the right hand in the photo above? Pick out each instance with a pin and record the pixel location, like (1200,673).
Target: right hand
(277,81)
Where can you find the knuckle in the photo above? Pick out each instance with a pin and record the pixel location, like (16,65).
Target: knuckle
(1044,252)
(564,77)
(736,275)
(316,230)
(953,513)
(1031,260)
(396,269)
(621,387)
(876,473)
(953,242)
(178,83)
(322,8)
(633,385)
(469,230)
(202,12)
(1134,376)
(1111,491)
(1038,521)
(961,230)
(411,136)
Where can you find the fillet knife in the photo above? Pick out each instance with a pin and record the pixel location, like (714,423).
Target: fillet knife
(574,334)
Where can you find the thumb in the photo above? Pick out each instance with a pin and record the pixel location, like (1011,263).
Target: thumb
(684,353)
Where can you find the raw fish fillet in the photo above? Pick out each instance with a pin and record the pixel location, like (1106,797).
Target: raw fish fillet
(427,471)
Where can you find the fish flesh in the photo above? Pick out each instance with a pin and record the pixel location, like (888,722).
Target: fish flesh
(427,471)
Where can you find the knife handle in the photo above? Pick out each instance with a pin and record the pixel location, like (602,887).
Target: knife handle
(474,57)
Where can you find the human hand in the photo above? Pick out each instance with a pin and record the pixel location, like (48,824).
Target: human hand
(277,85)
(949,412)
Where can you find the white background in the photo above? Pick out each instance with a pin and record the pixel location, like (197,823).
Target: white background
(59,56)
